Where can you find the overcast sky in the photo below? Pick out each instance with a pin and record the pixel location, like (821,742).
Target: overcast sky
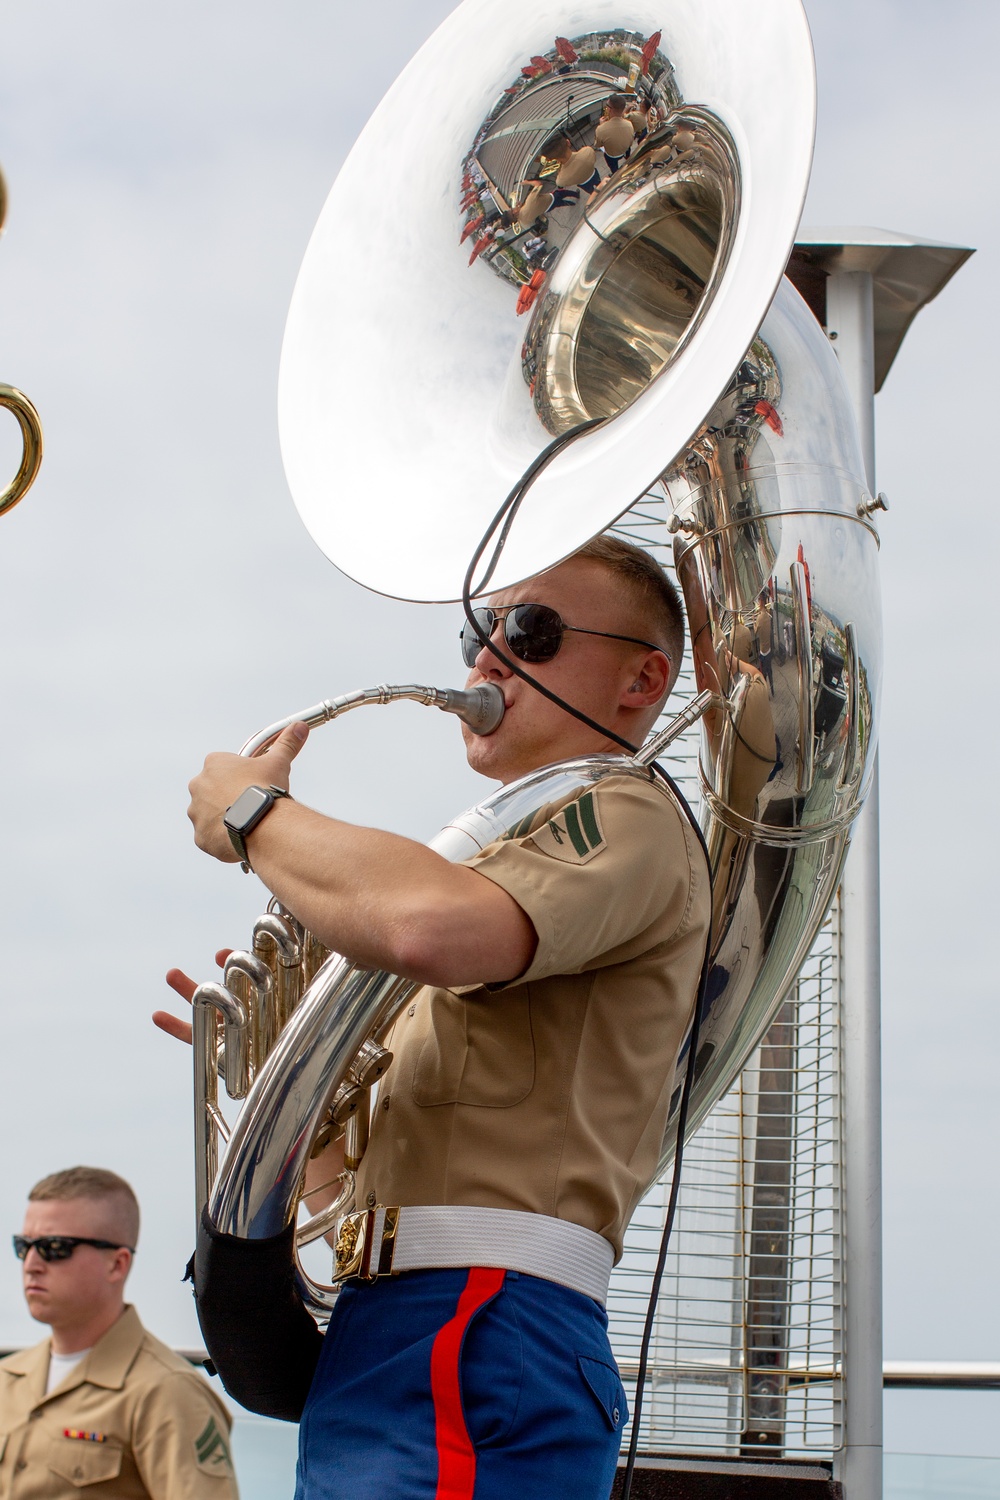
(159,597)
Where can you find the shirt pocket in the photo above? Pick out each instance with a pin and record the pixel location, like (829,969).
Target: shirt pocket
(82,1463)
(478,1051)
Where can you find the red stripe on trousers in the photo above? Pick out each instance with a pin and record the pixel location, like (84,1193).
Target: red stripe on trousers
(455,1453)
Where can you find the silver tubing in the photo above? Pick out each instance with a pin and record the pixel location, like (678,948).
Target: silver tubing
(773,560)
(281,932)
(249,979)
(277,943)
(208,1001)
(850,314)
(804,654)
(688,716)
(482,708)
(852,769)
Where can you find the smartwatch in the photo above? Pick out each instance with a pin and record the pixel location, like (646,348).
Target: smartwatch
(246,812)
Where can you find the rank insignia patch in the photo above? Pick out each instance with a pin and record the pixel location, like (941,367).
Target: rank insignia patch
(574,833)
(211,1449)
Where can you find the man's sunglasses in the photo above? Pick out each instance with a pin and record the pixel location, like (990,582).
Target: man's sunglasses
(533,632)
(60,1246)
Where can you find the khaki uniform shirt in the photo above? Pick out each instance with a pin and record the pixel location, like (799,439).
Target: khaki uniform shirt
(148,1425)
(615,135)
(577,168)
(550,1094)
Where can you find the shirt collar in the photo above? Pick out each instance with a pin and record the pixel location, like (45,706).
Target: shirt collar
(106,1365)
(111,1358)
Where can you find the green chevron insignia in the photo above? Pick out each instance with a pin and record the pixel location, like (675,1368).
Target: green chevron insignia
(211,1449)
(574,834)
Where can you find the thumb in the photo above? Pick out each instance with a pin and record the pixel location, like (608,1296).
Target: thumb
(287,746)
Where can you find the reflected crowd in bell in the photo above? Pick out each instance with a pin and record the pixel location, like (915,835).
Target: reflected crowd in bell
(595,132)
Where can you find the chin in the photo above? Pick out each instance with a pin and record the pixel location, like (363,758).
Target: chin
(486,757)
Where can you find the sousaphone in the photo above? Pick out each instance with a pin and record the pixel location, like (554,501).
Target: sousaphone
(472,291)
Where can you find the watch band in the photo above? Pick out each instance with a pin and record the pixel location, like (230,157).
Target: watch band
(238,831)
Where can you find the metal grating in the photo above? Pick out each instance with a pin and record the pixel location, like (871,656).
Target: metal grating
(746,1351)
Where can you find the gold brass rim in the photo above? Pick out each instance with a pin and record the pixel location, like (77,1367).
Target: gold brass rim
(31,437)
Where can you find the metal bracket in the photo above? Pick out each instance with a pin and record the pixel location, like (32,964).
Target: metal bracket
(869,507)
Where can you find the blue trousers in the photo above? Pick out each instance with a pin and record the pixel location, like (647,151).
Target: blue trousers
(462,1385)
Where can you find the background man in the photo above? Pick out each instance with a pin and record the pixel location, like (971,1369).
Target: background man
(577,170)
(615,133)
(101,1407)
(522,1117)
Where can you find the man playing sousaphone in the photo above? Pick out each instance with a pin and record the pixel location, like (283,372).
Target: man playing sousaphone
(522,1117)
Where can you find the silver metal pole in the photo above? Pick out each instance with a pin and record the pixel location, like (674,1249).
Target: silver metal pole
(859,1464)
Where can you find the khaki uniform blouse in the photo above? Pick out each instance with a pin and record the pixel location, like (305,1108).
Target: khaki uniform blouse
(132,1421)
(577,168)
(615,135)
(550,1094)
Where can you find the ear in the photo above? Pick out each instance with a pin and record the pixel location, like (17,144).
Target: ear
(121,1265)
(649,684)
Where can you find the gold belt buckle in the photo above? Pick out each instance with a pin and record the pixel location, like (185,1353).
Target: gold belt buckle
(365,1244)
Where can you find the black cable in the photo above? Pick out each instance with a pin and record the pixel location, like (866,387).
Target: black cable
(504,519)
(668,1223)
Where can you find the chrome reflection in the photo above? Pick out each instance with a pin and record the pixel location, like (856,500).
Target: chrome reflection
(632,194)
(612,208)
(777,558)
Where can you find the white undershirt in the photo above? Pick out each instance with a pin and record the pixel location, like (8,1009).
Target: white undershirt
(60,1366)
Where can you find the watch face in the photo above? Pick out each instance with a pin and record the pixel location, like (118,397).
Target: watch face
(247,809)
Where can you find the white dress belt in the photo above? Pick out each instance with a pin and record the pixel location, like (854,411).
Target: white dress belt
(385,1240)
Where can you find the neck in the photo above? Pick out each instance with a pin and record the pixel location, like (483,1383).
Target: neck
(70,1338)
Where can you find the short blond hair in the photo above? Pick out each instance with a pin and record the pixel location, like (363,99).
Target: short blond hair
(652,592)
(96,1184)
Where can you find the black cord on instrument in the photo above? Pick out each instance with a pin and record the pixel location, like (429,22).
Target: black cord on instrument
(668,1223)
(504,520)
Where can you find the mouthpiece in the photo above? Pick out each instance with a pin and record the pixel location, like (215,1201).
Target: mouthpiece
(482,708)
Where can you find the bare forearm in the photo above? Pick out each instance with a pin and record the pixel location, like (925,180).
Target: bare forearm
(382,901)
(387,902)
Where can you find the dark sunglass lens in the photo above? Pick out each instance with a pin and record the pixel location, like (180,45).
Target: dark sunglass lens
(471,643)
(57,1247)
(49,1246)
(533,632)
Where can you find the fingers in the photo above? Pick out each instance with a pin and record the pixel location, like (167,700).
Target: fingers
(173,1025)
(181,985)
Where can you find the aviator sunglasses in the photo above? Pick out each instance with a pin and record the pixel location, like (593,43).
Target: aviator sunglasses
(533,632)
(60,1246)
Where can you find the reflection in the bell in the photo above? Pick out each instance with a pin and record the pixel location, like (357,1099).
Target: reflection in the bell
(555,134)
(589,191)
(742,743)
(615,134)
(777,561)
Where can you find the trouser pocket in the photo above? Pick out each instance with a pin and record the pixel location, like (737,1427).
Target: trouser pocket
(605,1385)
